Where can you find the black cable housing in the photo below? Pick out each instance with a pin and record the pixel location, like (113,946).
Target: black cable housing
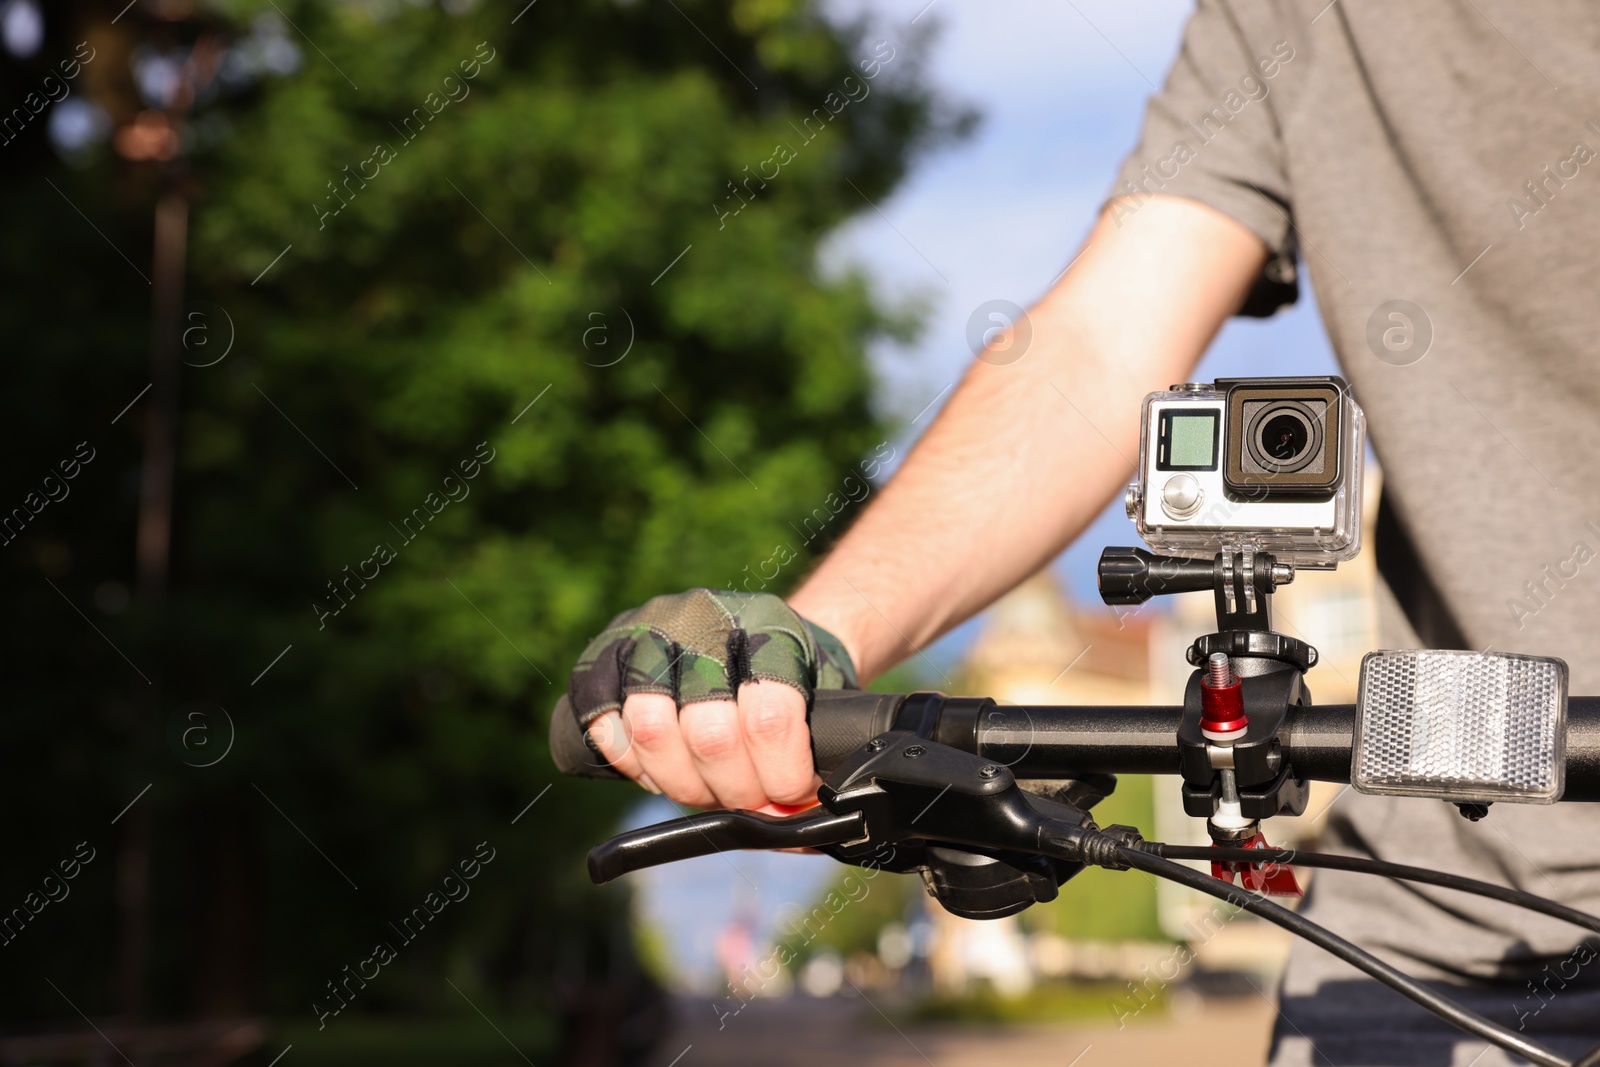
(1291,857)
(1385,869)
(1402,983)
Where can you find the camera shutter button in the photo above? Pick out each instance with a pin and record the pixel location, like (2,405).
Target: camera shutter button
(1181,496)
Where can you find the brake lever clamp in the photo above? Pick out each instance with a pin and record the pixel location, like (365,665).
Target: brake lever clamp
(961,821)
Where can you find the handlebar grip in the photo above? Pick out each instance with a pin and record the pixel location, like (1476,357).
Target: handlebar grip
(842,720)
(570,749)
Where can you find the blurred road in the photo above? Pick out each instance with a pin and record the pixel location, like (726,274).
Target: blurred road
(803,1032)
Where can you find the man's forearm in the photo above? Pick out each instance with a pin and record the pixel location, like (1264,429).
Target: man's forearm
(1025,454)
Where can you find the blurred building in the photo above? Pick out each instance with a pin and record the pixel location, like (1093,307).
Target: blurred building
(1037,647)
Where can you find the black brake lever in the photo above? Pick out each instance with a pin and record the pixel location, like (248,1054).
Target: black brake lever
(719,831)
(898,797)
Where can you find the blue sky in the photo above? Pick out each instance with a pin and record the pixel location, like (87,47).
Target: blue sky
(1060,87)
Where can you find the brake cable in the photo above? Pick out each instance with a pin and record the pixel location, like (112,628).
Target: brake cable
(1401,983)
(1381,868)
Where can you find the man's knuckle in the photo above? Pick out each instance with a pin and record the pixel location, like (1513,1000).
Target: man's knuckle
(769,722)
(710,736)
(652,728)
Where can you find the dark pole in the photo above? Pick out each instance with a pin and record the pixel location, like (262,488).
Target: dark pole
(153,544)
(153,553)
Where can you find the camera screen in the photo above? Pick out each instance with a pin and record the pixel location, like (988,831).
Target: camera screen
(1188,441)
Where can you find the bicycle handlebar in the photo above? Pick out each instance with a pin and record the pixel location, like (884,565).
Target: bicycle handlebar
(1045,741)
(1048,741)
(994,846)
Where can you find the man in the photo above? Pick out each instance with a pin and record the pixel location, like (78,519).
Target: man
(1438,177)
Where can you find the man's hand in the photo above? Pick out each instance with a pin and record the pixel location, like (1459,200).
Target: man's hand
(703,695)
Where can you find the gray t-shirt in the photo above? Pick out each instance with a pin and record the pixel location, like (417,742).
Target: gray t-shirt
(1434,165)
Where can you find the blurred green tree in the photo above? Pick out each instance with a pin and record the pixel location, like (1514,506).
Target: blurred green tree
(848,915)
(523,324)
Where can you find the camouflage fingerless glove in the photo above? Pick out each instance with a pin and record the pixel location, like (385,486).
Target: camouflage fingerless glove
(702,645)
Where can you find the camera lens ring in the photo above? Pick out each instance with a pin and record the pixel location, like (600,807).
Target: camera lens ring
(1296,428)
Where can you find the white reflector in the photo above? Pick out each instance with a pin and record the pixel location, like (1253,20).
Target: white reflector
(1462,726)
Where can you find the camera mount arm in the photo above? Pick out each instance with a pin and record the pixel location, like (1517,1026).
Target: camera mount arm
(1242,582)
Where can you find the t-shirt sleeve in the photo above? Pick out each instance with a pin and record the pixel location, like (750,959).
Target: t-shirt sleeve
(1212,134)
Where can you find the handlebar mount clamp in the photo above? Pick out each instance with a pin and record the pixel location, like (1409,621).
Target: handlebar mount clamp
(1235,782)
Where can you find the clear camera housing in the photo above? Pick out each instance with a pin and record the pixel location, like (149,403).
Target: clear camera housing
(1252,464)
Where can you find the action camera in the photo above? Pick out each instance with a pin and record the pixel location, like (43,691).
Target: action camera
(1264,464)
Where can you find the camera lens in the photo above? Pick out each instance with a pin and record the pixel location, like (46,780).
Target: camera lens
(1285,436)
